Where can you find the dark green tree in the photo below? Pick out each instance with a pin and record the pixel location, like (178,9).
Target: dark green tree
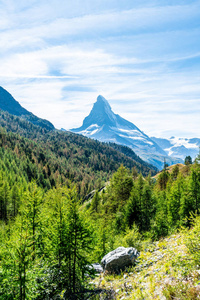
(69,240)
(175,172)
(163,179)
(174,201)
(188,160)
(194,188)
(132,209)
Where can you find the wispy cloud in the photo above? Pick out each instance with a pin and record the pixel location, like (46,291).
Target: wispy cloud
(56,59)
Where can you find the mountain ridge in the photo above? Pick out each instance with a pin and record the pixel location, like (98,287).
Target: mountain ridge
(179,147)
(12,106)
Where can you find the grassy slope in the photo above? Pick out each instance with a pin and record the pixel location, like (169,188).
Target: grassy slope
(184,169)
(161,269)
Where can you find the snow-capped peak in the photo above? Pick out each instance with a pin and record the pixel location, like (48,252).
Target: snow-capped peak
(106,126)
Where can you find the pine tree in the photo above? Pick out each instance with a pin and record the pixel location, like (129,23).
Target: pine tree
(174,202)
(148,206)
(194,188)
(175,172)
(132,209)
(31,212)
(18,278)
(4,201)
(121,185)
(69,240)
(15,199)
(163,179)
(188,160)
(79,243)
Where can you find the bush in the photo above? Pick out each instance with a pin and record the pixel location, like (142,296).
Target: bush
(192,239)
(133,238)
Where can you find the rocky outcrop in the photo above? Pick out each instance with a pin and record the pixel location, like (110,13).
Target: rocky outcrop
(118,259)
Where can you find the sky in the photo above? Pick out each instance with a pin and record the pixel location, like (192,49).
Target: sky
(56,57)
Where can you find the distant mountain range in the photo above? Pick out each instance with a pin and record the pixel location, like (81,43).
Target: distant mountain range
(106,126)
(179,147)
(9,104)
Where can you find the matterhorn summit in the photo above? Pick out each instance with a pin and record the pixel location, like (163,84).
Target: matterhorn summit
(104,125)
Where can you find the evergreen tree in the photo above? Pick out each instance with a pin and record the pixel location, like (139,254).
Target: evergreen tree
(132,209)
(79,244)
(148,206)
(163,179)
(19,276)
(4,200)
(175,172)
(174,202)
(121,185)
(69,239)
(118,192)
(15,198)
(188,160)
(31,212)
(194,188)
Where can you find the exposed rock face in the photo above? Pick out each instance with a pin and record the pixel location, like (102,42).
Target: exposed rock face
(119,259)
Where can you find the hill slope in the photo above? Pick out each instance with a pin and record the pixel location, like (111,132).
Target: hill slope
(162,272)
(68,156)
(9,104)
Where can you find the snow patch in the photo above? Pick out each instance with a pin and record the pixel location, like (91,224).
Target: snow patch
(178,142)
(169,151)
(91,130)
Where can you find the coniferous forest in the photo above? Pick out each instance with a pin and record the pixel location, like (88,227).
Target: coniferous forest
(51,230)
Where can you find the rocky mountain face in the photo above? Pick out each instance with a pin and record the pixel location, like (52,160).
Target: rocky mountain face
(179,147)
(106,126)
(9,104)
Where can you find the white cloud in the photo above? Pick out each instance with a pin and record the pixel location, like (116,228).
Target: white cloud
(56,59)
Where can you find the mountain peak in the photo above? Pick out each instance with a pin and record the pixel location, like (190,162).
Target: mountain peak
(103,102)
(101,99)
(106,126)
(101,114)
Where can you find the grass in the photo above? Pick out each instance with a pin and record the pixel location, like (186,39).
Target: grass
(163,270)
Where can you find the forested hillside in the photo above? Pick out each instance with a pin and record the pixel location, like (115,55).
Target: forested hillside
(49,236)
(67,156)
(143,205)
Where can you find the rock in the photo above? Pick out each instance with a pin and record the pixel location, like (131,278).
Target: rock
(119,259)
(90,195)
(97,267)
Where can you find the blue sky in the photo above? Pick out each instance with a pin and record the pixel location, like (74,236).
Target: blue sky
(56,57)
